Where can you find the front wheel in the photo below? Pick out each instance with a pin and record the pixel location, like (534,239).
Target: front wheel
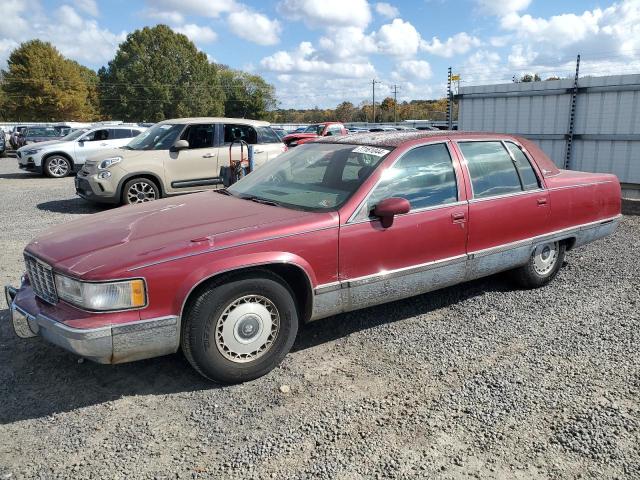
(139,190)
(57,166)
(241,329)
(542,267)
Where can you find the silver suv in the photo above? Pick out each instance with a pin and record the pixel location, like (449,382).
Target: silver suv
(60,157)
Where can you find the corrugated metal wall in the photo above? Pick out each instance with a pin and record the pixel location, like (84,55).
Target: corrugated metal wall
(607,119)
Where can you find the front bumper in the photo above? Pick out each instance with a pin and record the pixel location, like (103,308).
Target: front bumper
(93,192)
(114,343)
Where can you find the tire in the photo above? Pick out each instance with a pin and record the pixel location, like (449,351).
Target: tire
(542,267)
(57,166)
(240,328)
(139,190)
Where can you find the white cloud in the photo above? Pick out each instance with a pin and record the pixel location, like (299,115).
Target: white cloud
(255,27)
(197,34)
(398,38)
(206,8)
(89,7)
(458,44)
(347,43)
(417,69)
(387,10)
(502,7)
(305,60)
(481,66)
(165,16)
(328,13)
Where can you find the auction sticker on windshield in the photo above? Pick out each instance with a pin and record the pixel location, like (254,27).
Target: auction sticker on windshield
(378,152)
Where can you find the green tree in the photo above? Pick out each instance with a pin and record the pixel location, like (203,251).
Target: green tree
(344,112)
(158,74)
(41,85)
(530,78)
(246,95)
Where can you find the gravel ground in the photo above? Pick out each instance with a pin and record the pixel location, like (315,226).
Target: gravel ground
(479,380)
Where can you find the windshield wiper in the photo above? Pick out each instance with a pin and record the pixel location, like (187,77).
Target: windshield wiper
(224,191)
(263,201)
(126,147)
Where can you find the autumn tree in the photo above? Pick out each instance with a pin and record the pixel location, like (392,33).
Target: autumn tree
(157,74)
(41,85)
(344,112)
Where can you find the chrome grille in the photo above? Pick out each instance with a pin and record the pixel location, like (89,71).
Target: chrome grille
(41,279)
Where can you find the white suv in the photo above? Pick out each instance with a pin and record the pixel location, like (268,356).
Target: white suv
(60,157)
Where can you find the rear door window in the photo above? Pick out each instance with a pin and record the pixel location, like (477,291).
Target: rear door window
(236,132)
(491,169)
(119,133)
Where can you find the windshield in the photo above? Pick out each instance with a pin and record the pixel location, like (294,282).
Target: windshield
(313,177)
(42,132)
(158,137)
(317,129)
(75,134)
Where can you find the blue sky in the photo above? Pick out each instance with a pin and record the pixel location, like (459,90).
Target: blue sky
(319,53)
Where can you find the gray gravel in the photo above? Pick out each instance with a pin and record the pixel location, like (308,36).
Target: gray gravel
(479,380)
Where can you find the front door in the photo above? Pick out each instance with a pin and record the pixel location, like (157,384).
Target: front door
(91,144)
(424,249)
(194,168)
(509,206)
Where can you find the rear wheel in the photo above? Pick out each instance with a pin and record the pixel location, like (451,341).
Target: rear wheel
(543,265)
(139,190)
(57,166)
(241,329)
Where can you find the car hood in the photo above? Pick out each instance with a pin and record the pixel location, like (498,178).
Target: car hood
(298,136)
(40,144)
(108,244)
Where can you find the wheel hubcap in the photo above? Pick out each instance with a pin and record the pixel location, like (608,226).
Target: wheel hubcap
(58,167)
(141,192)
(247,328)
(545,257)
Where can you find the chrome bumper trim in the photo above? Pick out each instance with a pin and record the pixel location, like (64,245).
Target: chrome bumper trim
(111,344)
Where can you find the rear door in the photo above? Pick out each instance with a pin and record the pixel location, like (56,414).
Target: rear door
(233,133)
(269,144)
(119,137)
(508,207)
(194,168)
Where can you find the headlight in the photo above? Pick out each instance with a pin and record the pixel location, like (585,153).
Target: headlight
(32,151)
(106,296)
(107,162)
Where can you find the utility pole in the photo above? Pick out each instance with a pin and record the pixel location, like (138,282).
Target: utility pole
(395,103)
(449,101)
(373,86)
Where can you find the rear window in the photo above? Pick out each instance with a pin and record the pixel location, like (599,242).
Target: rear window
(491,169)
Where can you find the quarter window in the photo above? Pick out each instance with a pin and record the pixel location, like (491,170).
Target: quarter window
(424,176)
(527,175)
(120,133)
(491,169)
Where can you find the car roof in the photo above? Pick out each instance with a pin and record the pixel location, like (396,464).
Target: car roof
(245,121)
(395,138)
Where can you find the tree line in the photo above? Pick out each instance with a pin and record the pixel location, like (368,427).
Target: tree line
(155,74)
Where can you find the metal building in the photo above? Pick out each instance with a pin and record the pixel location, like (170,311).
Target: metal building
(602,136)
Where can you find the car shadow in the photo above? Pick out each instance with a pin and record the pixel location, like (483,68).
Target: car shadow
(18,175)
(38,379)
(72,205)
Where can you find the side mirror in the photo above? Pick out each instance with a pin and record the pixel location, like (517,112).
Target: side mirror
(388,208)
(180,145)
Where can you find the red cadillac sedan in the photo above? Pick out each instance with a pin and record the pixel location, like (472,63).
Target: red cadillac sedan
(334,225)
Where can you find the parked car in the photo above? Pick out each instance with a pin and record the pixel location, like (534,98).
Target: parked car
(383,129)
(357,130)
(427,127)
(16,138)
(335,225)
(175,157)
(281,132)
(43,134)
(312,132)
(60,157)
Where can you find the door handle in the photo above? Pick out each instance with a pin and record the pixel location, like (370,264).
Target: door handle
(209,155)
(542,201)
(104,144)
(457,217)
(258,151)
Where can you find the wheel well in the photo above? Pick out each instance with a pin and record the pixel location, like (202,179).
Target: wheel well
(148,176)
(569,243)
(61,154)
(295,278)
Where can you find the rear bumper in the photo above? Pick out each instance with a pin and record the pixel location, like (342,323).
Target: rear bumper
(116,343)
